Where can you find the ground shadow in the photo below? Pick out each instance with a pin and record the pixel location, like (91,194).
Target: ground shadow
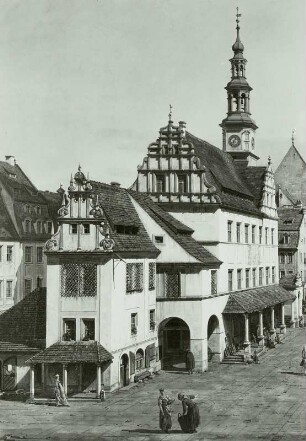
(150,431)
(292,373)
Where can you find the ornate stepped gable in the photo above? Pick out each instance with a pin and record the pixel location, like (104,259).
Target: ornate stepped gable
(171,172)
(80,210)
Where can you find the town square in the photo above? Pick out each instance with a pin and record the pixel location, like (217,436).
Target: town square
(152,220)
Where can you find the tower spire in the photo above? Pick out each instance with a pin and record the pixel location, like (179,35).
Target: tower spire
(292,137)
(238,127)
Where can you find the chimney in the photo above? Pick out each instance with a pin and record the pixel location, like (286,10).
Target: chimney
(10,159)
(115,184)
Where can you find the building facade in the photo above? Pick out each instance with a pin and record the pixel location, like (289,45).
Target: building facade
(26,222)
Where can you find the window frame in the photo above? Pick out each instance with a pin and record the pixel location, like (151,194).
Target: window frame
(38,250)
(9,253)
(253,233)
(238,232)
(9,283)
(246,233)
(28,254)
(230,283)
(28,289)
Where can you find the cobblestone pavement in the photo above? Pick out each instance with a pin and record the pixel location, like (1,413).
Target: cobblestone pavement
(237,402)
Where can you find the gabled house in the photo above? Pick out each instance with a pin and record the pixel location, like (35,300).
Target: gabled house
(26,222)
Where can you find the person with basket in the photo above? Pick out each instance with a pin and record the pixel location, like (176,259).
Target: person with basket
(164,402)
(190,419)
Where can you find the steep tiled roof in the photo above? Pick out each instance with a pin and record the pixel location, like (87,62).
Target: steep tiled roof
(171,227)
(73,352)
(120,211)
(237,189)
(25,322)
(293,240)
(7,228)
(289,218)
(256,299)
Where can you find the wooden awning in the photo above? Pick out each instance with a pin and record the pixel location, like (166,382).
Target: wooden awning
(256,299)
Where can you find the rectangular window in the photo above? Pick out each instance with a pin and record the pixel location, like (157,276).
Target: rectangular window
(272,236)
(290,258)
(28,254)
(49,227)
(1,247)
(229,231)
(246,233)
(260,276)
(160,184)
(27,286)
(39,282)
(267,275)
(134,323)
(266,235)
(69,330)
(152,276)
(86,228)
(78,280)
(273,274)
(39,254)
(27,226)
(9,289)
(134,277)
(182,183)
(260,234)
(152,319)
(239,279)
(282,274)
(38,210)
(39,227)
(254,276)
(1,289)
(247,278)
(9,253)
(159,239)
(87,329)
(238,232)
(213,283)
(253,233)
(230,280)
(172,285)
(73,228)
(282,258)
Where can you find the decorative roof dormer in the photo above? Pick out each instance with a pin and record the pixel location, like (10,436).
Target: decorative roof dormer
(82,223)
(268,202)
(171,172)
(238,128)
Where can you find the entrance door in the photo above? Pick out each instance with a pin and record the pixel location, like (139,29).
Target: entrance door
(124,370)
(9,374)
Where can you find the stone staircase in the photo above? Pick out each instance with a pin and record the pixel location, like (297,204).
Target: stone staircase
(233,359)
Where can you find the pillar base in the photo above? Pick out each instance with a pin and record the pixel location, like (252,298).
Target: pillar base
(261,340)
(283,329)
(292,323)
(247,347)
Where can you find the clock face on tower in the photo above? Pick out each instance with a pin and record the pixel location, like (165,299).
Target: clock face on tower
(234,141)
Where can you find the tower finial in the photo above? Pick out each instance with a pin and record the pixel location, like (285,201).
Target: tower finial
(292,137)
(237,19)
(170,112)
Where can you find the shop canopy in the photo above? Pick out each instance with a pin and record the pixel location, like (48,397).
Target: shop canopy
(72,352)
(257,299)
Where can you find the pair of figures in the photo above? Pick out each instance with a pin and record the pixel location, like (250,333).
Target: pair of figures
(189,420)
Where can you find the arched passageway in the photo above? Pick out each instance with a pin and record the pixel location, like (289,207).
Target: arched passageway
(124,370)
(213,339)
(173,341)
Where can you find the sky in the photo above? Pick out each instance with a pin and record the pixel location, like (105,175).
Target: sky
(90,82)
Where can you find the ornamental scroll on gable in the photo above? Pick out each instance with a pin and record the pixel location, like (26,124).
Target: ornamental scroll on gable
(171,172)
(82,222)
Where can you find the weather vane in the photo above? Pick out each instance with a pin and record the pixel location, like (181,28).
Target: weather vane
(170,113)
(292,137)
(237,15)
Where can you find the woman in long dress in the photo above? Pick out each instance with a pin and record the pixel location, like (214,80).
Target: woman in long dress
(165,422)
(191,414)
(60,397)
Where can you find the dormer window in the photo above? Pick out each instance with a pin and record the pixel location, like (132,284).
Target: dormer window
(288,221)
(38,209)
(159,240)
(12,175)
(126,229)
(27,226)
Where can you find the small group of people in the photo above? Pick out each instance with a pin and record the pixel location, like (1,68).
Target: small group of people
(303,362)
(189,420)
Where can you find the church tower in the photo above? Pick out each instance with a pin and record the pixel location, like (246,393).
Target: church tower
(238,128)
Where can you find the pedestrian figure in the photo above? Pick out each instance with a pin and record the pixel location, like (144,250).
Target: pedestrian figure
(165,421)
(303,362)
(189,362)
(255,357)
(59,393)
(190,419)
